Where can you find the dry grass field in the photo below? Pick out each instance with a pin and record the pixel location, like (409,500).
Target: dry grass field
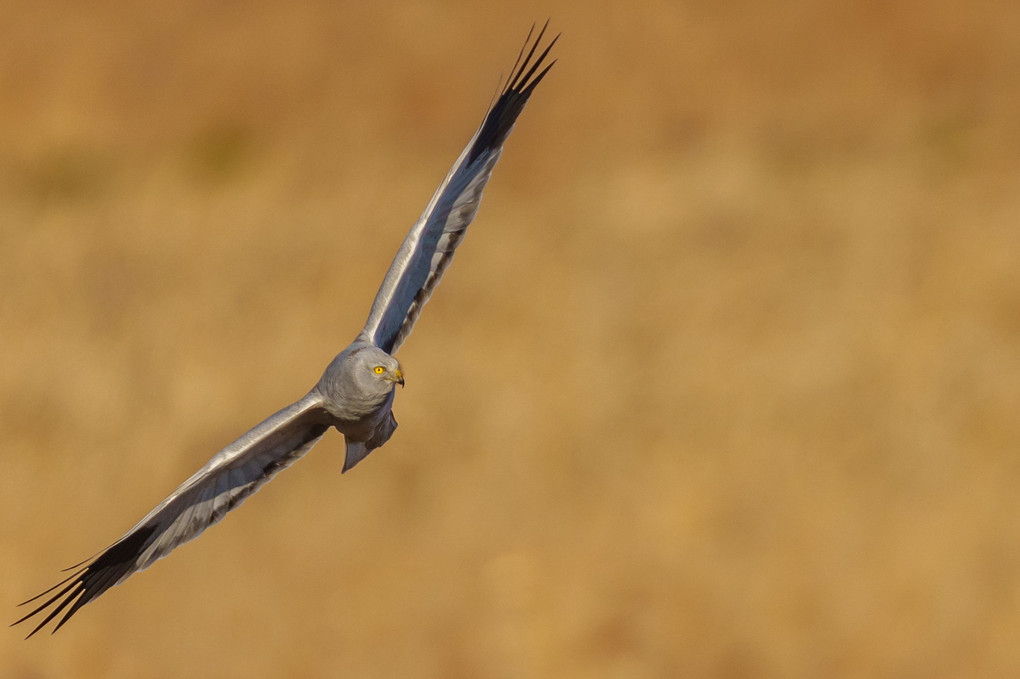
(724,382)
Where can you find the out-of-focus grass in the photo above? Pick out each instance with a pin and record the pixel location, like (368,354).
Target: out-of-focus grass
(723,382)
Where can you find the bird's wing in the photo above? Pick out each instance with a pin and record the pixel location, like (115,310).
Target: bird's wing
(428,248)
(223,483)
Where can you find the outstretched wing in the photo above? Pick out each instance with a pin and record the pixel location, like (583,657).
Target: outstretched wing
(223,483)
(428,248)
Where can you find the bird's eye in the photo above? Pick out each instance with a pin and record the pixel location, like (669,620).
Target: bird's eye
(378,370)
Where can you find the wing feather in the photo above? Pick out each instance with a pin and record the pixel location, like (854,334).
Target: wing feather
(223,483)
(428,248)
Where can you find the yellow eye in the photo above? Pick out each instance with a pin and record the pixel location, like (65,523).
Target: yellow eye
(378,370)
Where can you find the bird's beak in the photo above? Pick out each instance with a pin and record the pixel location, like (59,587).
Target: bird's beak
(400,377)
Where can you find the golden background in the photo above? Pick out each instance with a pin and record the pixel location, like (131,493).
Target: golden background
(724,381)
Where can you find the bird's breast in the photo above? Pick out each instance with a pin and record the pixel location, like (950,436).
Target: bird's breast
(357,417)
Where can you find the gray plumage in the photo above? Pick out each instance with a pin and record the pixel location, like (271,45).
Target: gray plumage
(355,393)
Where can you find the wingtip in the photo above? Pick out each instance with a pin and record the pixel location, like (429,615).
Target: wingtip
(527,72)
(520,77)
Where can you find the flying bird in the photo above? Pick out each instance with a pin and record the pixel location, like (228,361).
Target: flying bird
(355,393)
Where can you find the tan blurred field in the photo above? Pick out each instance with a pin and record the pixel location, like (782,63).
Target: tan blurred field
(724,382)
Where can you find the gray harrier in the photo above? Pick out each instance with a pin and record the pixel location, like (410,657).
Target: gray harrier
(355,393)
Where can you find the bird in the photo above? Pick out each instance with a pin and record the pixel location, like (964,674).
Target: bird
(356,391)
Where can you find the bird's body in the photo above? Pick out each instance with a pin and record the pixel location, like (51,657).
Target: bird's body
(355,393)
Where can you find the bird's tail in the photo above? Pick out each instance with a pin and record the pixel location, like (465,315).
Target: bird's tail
(359,450)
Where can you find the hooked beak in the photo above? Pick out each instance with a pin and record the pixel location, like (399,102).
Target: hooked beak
(399,377)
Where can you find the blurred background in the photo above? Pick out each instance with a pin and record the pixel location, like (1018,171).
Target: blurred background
(724,381)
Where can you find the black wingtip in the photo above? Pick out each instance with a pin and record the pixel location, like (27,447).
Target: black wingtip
(70,593)
(524,78)
(520,77)
(84,585)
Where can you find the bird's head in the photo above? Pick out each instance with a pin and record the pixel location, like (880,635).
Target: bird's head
(373,366)
(388,371)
